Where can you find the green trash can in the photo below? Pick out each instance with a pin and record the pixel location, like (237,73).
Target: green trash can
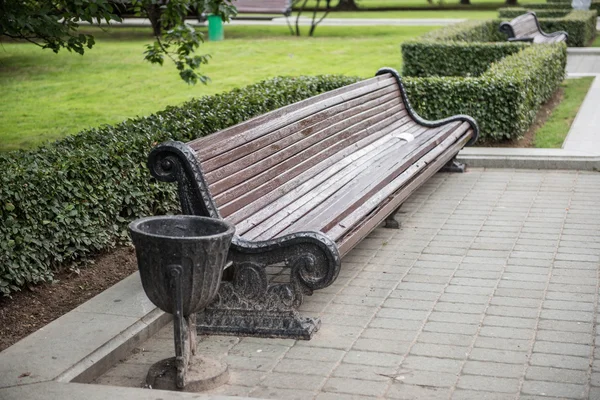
(215,28)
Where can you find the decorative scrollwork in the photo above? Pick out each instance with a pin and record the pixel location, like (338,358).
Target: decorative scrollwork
(175,162)
(420,120)
(250,281)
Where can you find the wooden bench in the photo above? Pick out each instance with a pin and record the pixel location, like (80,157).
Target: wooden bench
(526,28)
(303,185)
(283,7)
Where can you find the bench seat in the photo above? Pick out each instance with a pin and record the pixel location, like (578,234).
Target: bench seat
(263,6)
(526,28)
(303,185)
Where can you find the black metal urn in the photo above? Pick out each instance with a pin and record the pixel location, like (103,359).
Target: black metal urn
(181,260)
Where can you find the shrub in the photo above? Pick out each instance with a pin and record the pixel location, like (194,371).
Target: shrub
(451,58)
(74,198)
(580,25)
(468,31)
(504,100)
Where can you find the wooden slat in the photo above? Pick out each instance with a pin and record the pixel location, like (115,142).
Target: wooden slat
(328,134)
(387,147)
(293,138)
(301,162)
(407,183)
(242,208)
(322,218)
(285,132)
(230,138)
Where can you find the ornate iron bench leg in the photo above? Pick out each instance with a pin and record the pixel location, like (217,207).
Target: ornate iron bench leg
(255,304)
(454,166)
(391,222)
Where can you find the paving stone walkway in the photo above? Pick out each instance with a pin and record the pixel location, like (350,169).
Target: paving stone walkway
(488,291)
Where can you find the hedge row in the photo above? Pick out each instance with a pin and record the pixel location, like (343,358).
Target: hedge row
(75,197)
(468,31)
(453,58)
(595,5)
(504,100)
(510,13)
(580,25)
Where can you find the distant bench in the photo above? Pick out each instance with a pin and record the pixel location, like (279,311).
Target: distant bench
(283,7)
(526,28)
(303,185)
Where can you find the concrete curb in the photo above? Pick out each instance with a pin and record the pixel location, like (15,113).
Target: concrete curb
(85,342)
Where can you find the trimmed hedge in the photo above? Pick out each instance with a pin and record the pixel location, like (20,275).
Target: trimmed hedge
(452,58)
(504,100)
(468,31)
(75,197)
(580,25)
(595,5)
(510,13)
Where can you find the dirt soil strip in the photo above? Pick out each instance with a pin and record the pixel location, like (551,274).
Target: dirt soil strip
(34,307)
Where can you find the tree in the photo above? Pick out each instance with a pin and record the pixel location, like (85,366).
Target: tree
(314,19)
(54,24)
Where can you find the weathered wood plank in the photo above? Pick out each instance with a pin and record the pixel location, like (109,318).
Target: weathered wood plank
(385,148)
(293,166)
(280,138)
(370,220)
(322,218)
(230,138)
(263,197)
(276,153)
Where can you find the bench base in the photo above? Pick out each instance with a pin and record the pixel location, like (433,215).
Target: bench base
(453,166)
(284,325)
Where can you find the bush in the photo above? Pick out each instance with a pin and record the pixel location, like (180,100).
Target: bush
(504,100)
(549,6)
(580,25)
(75,197)
(468,31)
(510,13)
(450,58)
(595,5)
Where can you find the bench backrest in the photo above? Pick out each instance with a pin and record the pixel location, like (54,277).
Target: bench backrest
(525,25)
(253,163)
(263,6)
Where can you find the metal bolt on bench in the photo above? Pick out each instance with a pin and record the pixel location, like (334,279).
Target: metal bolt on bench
(181,261)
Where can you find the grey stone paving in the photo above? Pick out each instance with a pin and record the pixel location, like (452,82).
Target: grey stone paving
(489,291)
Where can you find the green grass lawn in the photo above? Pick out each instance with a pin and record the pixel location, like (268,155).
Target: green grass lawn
(596,42)
(556,128)
(415,14)
(422,3)
(47,96)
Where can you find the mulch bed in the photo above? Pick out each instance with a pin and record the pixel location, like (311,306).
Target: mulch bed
(36,306)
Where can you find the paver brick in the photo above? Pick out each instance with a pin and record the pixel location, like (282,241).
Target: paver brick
(449,327)
(355,386)
(488,384)
(559,361)
(309,367)
(512,322)
(402,391)
(462,394)
(499,356)
(439,350)
(558,389)
(578,316)
(372,358)
(429,378)
(556,375)
(497,369)
(418,315)
(365,372)
(508,333)
(445,338)
(569,349)
(435,364)
(455,317)
(279,393)
(380,345)
(508,311)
